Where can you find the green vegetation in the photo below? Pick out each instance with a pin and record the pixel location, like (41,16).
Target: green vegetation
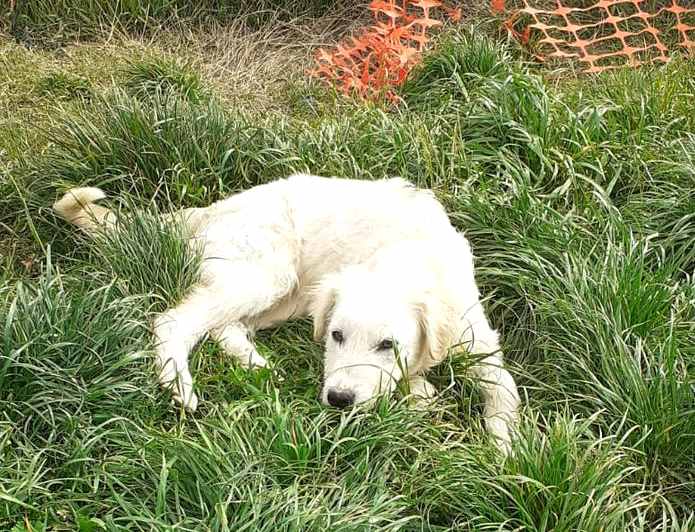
(56,21)
(578,196)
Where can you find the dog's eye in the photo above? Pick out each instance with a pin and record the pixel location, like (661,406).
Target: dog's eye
(385,345)
(337,336)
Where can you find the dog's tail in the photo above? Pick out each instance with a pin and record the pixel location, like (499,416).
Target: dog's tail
(77,207)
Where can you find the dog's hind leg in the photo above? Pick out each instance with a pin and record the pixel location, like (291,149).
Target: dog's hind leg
(234,339)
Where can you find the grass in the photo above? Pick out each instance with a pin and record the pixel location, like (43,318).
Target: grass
(162,75)
(577,196)
(54,22)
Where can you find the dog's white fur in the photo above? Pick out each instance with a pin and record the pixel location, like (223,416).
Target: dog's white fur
(368,260)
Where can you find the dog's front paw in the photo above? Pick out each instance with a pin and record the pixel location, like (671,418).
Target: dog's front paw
(422,393)
(181,385)
(186,397)
(418,402)
(500,433)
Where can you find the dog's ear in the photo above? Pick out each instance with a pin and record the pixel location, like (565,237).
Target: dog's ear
(322,304)
(437,328)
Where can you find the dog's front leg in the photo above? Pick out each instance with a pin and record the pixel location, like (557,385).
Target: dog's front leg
(501,400)
(496,384)
(176,332)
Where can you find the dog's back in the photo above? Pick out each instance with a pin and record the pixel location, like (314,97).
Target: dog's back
(342,221)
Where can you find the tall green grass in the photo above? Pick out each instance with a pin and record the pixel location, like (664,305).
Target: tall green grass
(64,20)
(572,146)
(606,323)
(563,477)
(577,198)
(155,75)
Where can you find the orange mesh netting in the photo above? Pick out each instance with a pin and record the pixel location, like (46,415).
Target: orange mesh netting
(382,55)
(602,34)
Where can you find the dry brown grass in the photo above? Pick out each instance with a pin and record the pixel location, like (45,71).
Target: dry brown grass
(253,67)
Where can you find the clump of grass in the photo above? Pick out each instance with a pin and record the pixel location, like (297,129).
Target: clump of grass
(604,323)
(66,348)
(670,227)
(168,260)
(561,477)
(162,141)
(63,86)
(460,60)
(148,77)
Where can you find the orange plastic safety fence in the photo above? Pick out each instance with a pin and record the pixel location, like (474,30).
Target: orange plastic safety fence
(383,54)
(602,34)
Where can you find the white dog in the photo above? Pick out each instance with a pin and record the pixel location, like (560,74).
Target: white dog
(377,264)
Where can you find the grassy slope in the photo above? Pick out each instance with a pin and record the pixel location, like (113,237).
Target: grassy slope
(577,196)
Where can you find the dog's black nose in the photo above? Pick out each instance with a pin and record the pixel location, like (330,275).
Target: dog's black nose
(340,399)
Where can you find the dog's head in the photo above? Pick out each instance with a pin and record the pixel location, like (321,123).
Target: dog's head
(376,329)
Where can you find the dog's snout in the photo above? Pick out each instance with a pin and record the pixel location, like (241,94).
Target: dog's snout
(340,398)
